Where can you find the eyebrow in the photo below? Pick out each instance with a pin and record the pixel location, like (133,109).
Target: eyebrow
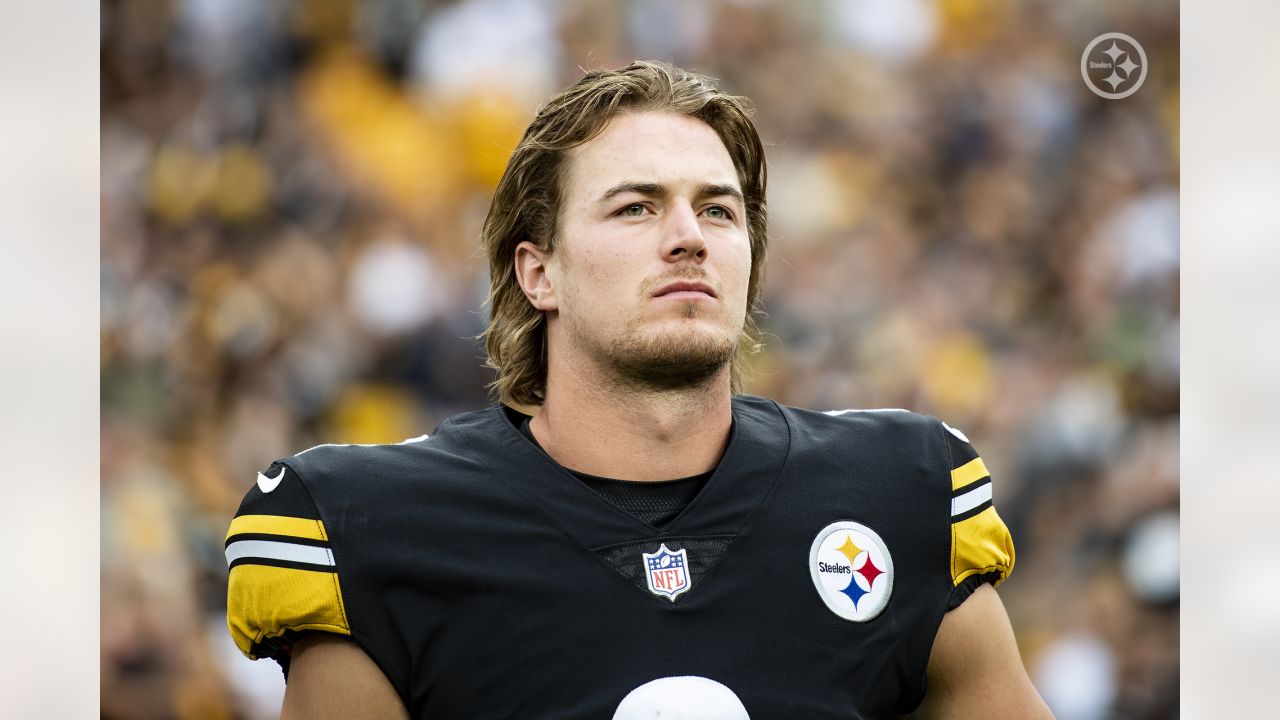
(651,189)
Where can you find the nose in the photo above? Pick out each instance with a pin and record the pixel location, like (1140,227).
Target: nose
(683,237)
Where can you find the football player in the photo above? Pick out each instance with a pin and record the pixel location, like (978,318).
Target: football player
(624,535)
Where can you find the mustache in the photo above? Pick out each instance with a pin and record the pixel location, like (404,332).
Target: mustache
(687,274)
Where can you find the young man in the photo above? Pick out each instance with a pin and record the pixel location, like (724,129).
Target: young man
(648,542)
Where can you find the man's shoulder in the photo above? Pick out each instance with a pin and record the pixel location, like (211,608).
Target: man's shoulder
(845,421)
(847,435)
(456,438)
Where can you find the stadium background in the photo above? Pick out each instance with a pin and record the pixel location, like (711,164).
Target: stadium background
(292,192)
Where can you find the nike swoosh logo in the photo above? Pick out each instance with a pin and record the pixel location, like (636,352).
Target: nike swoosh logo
(267,484)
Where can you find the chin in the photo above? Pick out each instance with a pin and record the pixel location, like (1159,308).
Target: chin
(673,358)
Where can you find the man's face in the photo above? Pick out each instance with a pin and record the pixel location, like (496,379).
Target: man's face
(653,259)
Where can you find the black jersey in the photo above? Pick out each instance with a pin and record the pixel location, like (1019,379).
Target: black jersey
(807,579)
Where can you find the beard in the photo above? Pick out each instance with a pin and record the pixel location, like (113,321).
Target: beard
(666,360)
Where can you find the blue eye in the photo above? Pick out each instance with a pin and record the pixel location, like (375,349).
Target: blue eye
(716,212)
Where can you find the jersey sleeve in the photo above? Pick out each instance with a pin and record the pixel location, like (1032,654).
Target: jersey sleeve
(282,579)
(981,547)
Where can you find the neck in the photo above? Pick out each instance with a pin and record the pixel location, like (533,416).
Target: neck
(598,425)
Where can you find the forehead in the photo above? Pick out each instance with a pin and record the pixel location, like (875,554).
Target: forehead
(661,147)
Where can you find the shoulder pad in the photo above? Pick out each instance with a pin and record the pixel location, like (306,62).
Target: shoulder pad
(283,576)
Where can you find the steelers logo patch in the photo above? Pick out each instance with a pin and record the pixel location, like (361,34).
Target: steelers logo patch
(852,570)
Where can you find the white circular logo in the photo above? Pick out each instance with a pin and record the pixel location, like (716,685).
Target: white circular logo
(688,697)
(852,570)
(1113,65)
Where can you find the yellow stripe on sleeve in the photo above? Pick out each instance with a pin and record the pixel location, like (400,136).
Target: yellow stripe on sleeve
(973,470)
(278,525)
(265,602)
(980,545)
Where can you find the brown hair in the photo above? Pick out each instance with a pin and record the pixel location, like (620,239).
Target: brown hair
(526,204)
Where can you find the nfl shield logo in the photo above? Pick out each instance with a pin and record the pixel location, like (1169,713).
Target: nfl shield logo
(667,572)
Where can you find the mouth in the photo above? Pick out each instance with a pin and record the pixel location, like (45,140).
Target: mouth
(686,289)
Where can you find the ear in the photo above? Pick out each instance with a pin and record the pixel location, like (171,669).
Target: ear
(533,274)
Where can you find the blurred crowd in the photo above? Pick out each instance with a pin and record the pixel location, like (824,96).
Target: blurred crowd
(291,200)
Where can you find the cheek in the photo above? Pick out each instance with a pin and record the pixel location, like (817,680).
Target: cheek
(602,272)
(605,272)
(741,271)
(594,287)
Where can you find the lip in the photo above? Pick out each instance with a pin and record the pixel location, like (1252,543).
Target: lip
(685,289)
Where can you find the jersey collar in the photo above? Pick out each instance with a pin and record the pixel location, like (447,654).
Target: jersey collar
(747,473)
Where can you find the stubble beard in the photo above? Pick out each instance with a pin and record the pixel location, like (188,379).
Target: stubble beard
(667,361)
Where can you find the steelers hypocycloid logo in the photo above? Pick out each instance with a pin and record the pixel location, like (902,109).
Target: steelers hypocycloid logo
(852,570)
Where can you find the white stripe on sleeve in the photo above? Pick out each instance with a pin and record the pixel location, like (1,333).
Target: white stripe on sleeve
(970,500)
(272,550)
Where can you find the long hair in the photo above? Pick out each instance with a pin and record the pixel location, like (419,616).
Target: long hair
(526,204)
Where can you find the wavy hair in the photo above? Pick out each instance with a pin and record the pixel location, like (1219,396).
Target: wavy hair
(526,204)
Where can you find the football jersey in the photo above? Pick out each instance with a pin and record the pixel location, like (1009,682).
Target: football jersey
(806,579)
